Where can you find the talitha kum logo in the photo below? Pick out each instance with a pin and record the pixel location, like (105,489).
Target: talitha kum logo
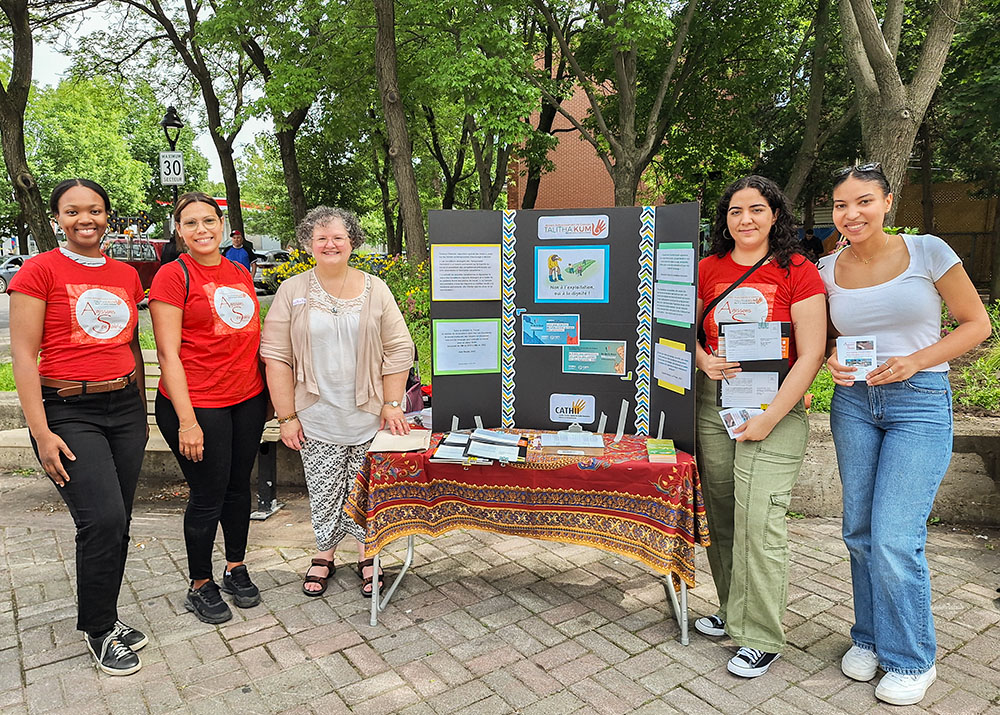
(572,408)
(595,226)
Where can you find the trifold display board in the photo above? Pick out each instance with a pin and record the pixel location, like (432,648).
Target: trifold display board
(544,318)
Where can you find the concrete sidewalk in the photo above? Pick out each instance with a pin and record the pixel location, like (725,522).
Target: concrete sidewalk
(483,624)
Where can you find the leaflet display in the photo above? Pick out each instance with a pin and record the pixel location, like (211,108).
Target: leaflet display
(595,308)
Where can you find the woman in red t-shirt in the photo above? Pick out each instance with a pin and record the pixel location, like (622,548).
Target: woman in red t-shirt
(83,402)
(211,402)
(748,480)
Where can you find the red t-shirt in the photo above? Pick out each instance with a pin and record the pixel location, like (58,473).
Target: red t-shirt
(90,315)
(768,294)
(220,331)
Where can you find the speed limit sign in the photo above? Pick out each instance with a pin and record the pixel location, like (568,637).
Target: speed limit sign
(171,168)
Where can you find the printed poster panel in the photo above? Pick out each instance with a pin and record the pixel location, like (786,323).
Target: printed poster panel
(675,262)
(595,357)
(571,274)
(466,347)
(465,271)
(550,329)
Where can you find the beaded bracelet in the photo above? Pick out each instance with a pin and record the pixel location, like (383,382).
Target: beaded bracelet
(289,418)
(187,429)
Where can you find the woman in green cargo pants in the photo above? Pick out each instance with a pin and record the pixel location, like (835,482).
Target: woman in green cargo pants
(756,271)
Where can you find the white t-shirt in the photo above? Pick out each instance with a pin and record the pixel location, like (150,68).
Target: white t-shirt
(904,314)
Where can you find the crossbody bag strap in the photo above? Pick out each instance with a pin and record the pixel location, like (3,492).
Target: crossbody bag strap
(187,278)
(702,337)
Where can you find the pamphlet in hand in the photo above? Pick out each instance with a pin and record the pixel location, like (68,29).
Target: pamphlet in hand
(735,416)
(857,351)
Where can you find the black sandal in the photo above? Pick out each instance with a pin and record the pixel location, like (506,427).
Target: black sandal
(321,580)
(367,582)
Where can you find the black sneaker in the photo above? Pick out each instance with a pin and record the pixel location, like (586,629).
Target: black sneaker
(710,626)
(113,656)
(130,636)
(207,604)
(237,583)
(750,662)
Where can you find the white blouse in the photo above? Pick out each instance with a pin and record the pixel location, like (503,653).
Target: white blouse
(333,327)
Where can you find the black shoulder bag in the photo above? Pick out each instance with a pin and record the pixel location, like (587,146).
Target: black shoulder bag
(702,337)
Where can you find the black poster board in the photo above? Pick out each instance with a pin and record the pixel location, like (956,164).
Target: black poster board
(521,393)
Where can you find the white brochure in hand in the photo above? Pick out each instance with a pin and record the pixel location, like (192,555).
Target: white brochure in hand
(857,351)
(735,416)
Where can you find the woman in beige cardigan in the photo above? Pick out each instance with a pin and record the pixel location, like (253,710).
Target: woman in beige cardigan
(337,353)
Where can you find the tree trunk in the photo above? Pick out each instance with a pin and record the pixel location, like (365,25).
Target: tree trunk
(626,184)
(891,111)
(809,148)
(382,179)
(890,144)
(234,210)
(399,138)
(995,263)
(926,185)
(546,118)
(290,163)
(808,217)
(13,100)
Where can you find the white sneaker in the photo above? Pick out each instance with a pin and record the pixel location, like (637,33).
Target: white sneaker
(710,626)
(859,664)
(899,689)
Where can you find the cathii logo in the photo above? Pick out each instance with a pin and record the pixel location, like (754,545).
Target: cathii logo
(557,227)
(572,408)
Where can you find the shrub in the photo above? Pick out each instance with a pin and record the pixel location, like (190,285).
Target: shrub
(822,391)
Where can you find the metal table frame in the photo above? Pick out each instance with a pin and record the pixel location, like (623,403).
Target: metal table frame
(679,604)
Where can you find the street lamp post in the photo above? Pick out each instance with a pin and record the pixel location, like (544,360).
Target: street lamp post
(172,126)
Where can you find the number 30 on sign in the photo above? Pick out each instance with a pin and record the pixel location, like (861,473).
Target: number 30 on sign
(171,168)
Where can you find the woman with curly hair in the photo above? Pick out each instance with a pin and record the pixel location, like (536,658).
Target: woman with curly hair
(748,481)
(337,353)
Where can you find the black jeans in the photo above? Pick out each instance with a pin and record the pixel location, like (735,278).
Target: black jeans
(220,482)
(107,434)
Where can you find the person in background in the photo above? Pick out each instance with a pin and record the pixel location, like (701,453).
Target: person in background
(171,250)
(241,252)
(337,352)
(813,245)
(748,481)
(85,404)
(892,429)
(211,401)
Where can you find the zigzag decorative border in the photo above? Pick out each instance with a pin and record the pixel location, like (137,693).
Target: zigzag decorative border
(644,318)
(507,337)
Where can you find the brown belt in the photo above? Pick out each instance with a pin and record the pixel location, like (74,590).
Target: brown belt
(69,388)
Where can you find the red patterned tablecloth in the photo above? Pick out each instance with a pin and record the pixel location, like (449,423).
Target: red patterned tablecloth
(618,502)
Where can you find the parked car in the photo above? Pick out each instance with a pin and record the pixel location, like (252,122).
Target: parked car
(8,268)
(269,259)
(143,254)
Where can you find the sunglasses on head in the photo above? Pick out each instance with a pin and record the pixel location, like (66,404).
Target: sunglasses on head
(871,166)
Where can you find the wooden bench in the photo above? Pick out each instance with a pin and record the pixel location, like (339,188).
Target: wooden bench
(267,453)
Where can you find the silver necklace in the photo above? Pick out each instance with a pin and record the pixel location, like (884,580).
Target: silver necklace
(339,293)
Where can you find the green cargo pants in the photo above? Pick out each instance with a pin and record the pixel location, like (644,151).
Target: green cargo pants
(747,488)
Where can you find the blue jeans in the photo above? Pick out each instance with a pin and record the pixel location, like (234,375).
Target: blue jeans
(893,446)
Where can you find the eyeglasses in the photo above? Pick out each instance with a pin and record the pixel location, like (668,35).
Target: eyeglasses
(870,166)
(209,222)
(321,240)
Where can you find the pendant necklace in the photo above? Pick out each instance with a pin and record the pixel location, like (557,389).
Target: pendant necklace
(340,292)
(866,261)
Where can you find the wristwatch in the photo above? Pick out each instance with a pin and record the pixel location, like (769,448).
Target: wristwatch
(394,403)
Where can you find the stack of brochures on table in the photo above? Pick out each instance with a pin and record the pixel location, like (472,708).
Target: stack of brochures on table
(661,451)
(498,446)
(418,440)
(573,444)
(451,450)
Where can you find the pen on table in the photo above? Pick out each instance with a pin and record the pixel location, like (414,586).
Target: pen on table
(722,370)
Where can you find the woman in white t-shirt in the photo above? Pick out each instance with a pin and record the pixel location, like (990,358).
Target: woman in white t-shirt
(892,428)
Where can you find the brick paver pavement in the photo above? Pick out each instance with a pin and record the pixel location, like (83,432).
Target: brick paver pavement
(483,624)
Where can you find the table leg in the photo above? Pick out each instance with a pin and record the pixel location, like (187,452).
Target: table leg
(680,607)
(378,605)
